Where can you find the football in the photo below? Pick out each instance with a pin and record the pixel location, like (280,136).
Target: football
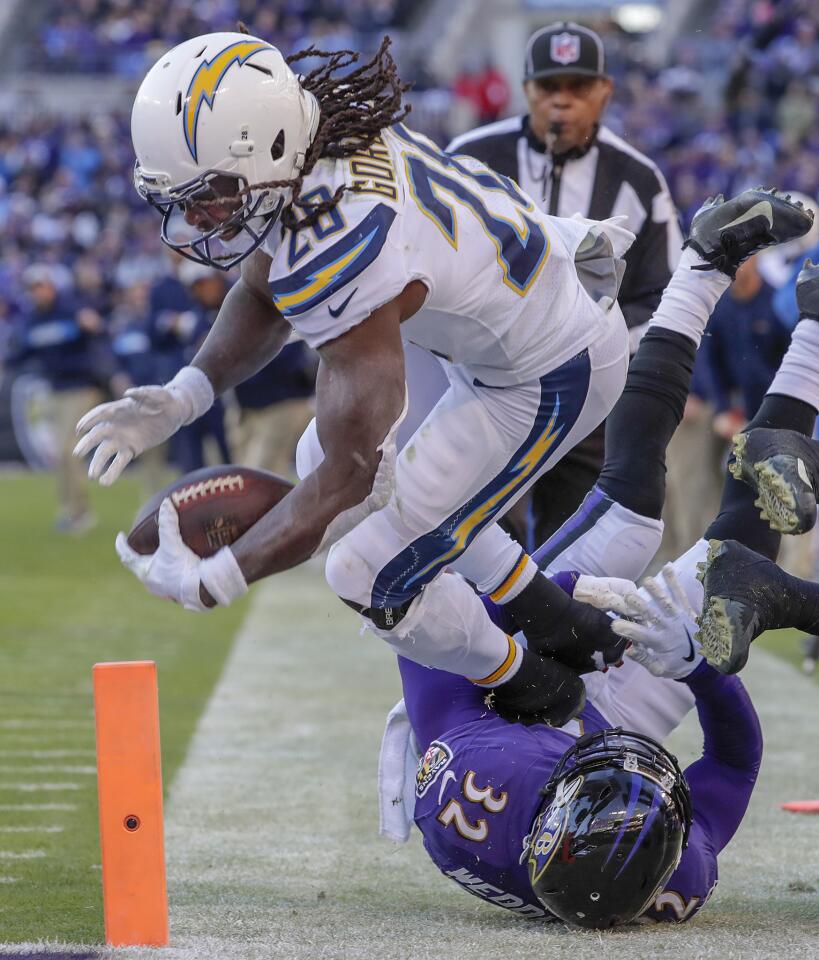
(216,505)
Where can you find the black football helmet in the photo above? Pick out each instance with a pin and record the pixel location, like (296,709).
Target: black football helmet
(615,818)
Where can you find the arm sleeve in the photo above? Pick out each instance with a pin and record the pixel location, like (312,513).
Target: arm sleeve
(722,780)
(438,701)
(721,783)
(651,259)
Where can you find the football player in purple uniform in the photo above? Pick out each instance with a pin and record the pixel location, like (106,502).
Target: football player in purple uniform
(595,823)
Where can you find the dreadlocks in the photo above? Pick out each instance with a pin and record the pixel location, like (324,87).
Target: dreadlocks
(354,108)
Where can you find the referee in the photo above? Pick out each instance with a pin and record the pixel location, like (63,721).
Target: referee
(569,162)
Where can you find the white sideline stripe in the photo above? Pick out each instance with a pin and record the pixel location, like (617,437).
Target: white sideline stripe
(36,807)
(21,724)
(44,754)
(22,854)
(50,768)
(37,787)
(52,829)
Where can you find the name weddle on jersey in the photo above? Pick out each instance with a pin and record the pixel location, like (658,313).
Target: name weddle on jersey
(346,223)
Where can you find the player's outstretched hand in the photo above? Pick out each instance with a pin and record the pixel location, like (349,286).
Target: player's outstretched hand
(144,418)
(661,627)
(173,571)
(123,429)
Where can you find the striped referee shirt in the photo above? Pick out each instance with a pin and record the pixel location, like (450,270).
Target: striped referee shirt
(608,179)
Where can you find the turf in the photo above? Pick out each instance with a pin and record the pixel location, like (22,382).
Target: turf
(787,644)
(272,821)
(67,603)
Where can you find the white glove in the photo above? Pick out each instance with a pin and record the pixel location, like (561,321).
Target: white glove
(661,627)
(144,418)
(174,571)
(604,593)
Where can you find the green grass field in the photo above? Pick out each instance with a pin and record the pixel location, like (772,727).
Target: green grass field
(65,604)
(269,750)
(786,644)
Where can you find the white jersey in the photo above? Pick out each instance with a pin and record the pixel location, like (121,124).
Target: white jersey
(504,298)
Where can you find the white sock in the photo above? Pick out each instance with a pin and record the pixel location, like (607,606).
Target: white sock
(489,559)
(690,297)
(518,578)
(798,374)
(686,568)
(447,627)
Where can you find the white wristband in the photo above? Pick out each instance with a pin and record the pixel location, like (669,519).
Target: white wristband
(190,597)
(222,577)
(194,390)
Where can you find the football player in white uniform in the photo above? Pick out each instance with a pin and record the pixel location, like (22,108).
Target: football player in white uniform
(346,223)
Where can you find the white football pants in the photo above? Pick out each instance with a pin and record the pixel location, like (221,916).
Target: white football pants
(473,456)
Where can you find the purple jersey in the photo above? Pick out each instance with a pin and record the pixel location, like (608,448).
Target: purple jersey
(479,782)
(477,793)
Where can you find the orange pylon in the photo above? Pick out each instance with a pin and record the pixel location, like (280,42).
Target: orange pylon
(129,773)
(801,806)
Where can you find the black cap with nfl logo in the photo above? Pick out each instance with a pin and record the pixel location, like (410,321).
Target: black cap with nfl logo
(564,47)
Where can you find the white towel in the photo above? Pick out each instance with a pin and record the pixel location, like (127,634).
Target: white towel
(397,765)
(599,258)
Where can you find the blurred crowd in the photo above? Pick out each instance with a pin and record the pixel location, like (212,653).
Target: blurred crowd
(125,37)
(735,107)
(80,258)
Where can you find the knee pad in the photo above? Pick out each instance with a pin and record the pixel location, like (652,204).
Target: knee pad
(348,573)
(618,543)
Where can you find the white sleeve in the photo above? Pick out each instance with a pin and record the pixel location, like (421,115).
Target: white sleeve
(344,279)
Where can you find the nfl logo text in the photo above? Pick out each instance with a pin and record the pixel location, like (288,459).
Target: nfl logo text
(565,48)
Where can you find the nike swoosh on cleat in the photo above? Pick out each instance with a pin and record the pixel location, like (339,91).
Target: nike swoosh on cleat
(802,470)
(761,209)
(342,307)
(690,647)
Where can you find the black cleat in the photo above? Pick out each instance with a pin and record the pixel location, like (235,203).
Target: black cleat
(560,628)
(782,466)
(542,691)
(807,290)
(743,594)
(727,233)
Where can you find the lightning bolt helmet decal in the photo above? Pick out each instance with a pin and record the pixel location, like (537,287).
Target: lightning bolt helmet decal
(205,82)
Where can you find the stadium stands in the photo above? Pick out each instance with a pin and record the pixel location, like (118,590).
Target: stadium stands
(125,36)
(734,106)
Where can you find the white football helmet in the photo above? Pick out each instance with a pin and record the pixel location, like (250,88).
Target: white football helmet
(215,115)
